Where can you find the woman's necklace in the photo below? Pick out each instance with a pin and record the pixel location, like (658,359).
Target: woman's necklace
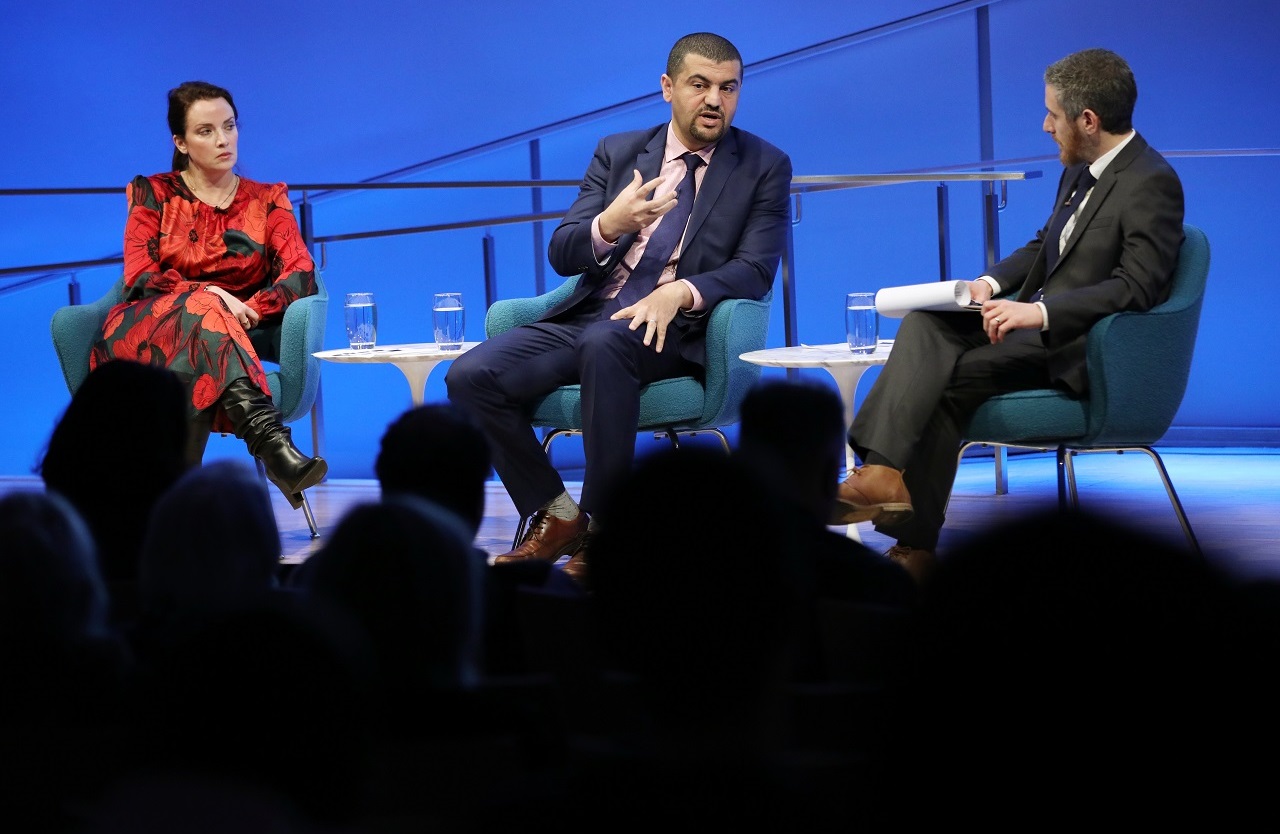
(225,198)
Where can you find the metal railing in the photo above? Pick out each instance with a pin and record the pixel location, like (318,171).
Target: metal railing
(800,186)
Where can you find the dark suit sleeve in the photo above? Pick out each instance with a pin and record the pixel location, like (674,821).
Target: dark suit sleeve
(761,190)
(1123,256)
(570,251)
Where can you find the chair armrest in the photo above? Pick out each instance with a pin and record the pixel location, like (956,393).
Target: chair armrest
(736,326)
(507,313)
(75,330)
(301,335)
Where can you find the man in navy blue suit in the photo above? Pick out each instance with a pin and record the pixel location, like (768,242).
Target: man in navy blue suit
(610,338)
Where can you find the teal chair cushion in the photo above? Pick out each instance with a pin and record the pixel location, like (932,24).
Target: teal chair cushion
(294,384)
(1138,363)
(735,327)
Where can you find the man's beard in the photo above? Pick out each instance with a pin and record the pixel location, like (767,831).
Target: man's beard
(702,134)
(1071,150)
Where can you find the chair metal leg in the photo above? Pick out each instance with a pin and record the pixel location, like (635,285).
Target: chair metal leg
(1173,497)
(1002,470)
(1064,464)
(1168,488)
(1072,492)
(311,517)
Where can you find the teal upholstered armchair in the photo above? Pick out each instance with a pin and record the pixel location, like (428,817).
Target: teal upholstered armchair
(677,406)
(295,383)
(1138,365)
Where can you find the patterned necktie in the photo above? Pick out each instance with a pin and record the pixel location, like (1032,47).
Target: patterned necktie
(1051,247)
(657,252)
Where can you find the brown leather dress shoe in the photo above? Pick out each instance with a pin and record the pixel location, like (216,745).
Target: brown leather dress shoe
(872,493)
(548,538)
(918,562)
(576,567)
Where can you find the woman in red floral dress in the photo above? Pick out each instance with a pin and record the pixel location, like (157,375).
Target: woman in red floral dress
(210,261)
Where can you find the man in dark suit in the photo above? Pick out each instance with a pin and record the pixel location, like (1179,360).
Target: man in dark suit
(619,330)
(1107,247)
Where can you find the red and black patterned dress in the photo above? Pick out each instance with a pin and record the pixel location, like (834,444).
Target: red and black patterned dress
(175,246)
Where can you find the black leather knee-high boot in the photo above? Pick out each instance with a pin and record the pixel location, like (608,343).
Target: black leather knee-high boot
(257,422)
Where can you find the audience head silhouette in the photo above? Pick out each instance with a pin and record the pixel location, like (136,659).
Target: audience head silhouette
(51,592)
(793,433)
(212,544)
(405,569)
(699,610)
(436,452)
(116,448)
(1066,644)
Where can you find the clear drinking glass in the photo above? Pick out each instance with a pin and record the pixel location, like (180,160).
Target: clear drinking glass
(448,318)
(362,320)
(862,325)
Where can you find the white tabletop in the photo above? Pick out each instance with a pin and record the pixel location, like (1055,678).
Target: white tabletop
(818,356)
(415,361)
(383,354)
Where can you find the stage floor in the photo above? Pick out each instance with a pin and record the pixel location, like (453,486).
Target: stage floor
(1231,497)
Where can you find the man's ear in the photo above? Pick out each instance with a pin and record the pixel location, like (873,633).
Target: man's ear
(1092,124)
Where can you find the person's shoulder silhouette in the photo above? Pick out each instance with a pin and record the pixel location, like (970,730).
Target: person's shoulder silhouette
(116,448)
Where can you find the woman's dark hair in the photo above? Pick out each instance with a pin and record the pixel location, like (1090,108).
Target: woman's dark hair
(181,98)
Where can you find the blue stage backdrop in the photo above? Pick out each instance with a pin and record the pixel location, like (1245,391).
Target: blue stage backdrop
(331,92)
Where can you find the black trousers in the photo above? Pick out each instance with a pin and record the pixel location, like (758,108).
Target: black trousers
(943,366)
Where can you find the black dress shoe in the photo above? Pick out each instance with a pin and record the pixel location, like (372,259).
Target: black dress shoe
(548,538)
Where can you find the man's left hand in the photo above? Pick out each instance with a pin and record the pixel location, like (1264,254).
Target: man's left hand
(1001,317)
(656,310)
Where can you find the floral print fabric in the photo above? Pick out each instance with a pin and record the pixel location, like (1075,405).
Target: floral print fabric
(174,247)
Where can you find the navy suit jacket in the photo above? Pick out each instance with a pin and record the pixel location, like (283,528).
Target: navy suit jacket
(1120,255)
(736,234)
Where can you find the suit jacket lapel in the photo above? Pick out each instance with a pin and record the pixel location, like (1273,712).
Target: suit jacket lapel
(649,164)
(723,162)
(1100,191)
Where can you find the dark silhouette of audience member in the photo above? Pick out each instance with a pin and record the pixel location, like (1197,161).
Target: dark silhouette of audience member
(793,435)
(694,609)
(404,571)
(267,708)
(1073,668)
(212,545)
(436,452)
(700,609)
(118,446)
(64,670)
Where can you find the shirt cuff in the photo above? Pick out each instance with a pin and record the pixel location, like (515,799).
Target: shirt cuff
(1044,316)
(697,296)
(600,247)
(995,285)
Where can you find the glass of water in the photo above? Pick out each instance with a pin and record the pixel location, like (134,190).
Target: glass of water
(448,318)
(362,320)
(862,326)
